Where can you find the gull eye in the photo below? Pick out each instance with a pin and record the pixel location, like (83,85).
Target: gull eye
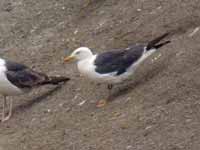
(78,53)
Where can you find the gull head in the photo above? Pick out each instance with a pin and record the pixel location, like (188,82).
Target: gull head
(78,54)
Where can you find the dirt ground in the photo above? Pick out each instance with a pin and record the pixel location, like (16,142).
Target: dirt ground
(159,109)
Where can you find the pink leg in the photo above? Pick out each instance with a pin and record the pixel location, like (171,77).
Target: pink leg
(4,105)
(10,110)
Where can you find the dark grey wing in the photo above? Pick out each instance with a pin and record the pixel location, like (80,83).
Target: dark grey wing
(22,76)
(13,66)
(118,61)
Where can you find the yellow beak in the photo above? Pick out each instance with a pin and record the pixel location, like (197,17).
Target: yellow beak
(69,58)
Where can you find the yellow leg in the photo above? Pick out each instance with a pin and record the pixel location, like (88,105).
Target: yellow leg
(103,102)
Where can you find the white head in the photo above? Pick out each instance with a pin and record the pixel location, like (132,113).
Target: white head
(80,53)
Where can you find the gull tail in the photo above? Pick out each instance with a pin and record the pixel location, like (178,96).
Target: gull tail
(55,80)
(154,44)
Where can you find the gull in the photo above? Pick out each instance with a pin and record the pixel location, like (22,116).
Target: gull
(16,79)
(113,66)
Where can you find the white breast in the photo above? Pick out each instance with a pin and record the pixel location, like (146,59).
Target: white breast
(6,87)
(87,68)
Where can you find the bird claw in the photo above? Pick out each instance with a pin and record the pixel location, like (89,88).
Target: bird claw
(101,103)
(5,119)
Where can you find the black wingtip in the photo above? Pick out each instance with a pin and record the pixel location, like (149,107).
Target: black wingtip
(55,80)
(161,44)
(154,42)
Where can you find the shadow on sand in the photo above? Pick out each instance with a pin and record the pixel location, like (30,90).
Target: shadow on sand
(143,79)
(37,99)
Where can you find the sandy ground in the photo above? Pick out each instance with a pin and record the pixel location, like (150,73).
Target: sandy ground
(159,109)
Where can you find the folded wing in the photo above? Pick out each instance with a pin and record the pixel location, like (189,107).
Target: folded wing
(118,61)
(22,76)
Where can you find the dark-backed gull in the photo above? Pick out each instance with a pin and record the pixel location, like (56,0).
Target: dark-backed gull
(16,79)
(113,66)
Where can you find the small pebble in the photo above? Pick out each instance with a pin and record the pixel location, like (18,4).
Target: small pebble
(61,104)
(188,120)
(148,127)
(156,58)
(76,31)
(128,147)
(81,103)
(159,7)
(194,32)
